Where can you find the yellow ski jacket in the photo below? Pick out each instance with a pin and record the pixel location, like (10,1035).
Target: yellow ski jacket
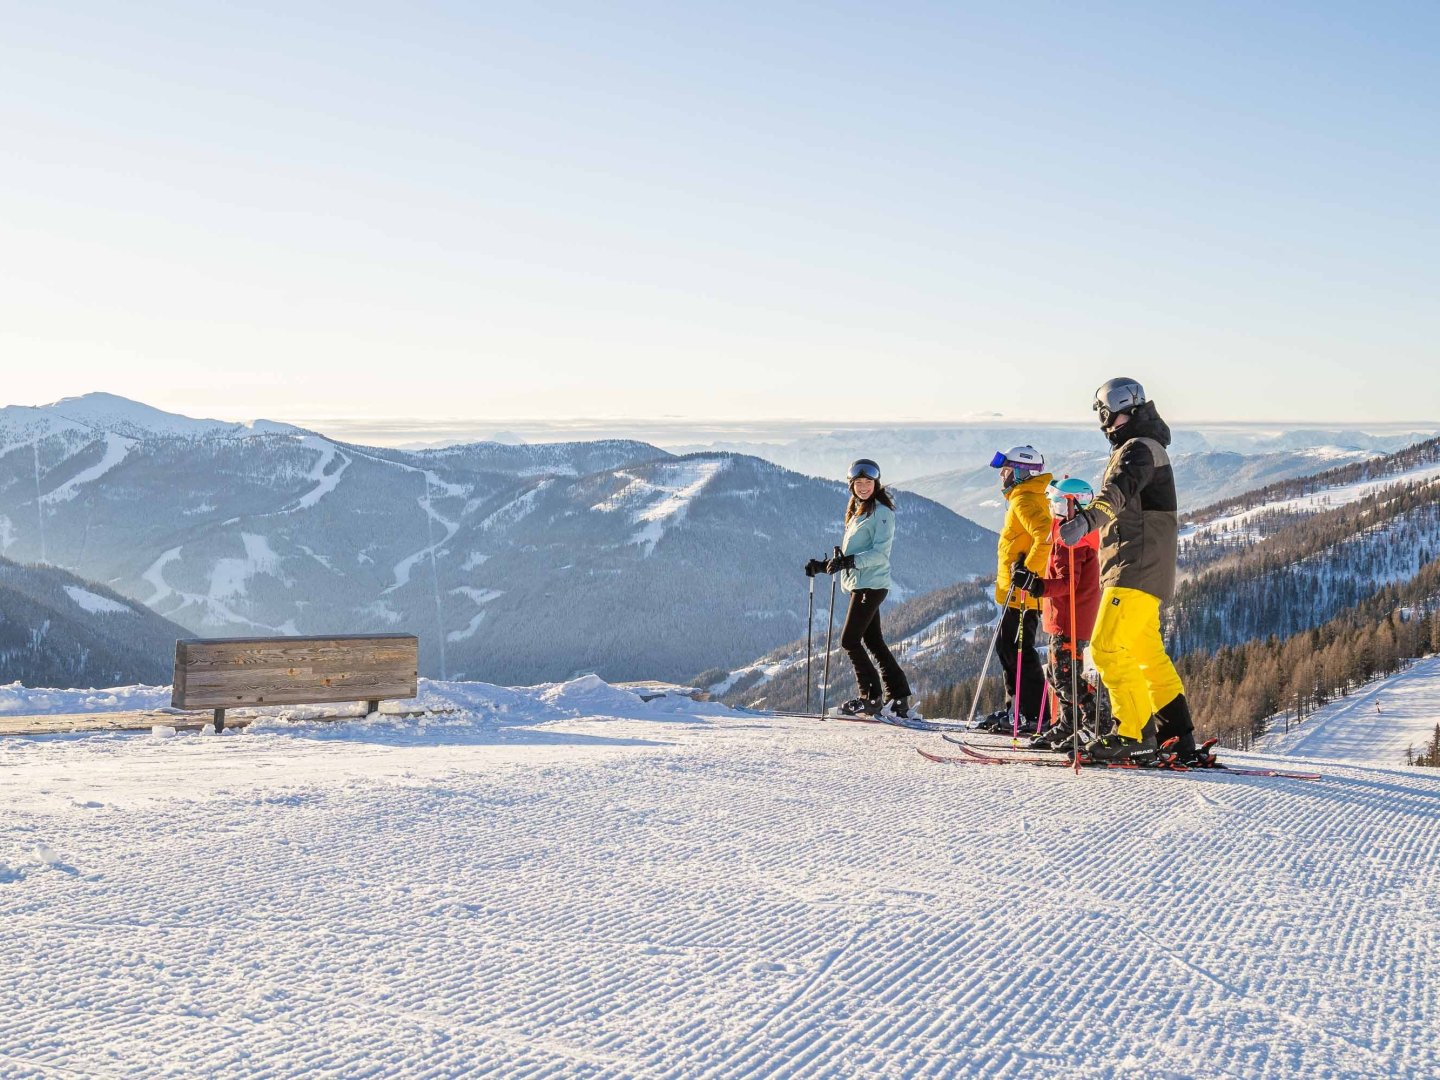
(1025,534)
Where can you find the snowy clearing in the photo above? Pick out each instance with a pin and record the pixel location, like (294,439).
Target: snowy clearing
(94,603)
(564,881)
(1374,725)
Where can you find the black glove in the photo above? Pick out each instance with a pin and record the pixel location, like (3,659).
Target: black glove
(840,562)
(1027,580)
(814,566)
(1077,528)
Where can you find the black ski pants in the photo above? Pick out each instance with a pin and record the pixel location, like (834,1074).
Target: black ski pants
(862,638)
(1032,680)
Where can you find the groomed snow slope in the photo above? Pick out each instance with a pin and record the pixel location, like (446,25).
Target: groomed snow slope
(564,882)
(1374,725)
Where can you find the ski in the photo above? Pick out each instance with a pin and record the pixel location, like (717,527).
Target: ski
(819,716)
(920,724)
(973,756)
(1002,742)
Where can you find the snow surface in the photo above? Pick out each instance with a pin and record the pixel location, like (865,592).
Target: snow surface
(94,603)
(1354,729)
(564,881)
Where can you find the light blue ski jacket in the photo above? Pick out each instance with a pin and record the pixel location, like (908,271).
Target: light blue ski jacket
(869,538)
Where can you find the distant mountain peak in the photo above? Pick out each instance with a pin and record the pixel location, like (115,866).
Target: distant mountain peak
(105,412)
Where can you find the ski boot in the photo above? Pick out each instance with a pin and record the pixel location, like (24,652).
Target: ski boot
(1190,756)
(999,720)
(1057,737)
(1117,749)
(859,706)
(899,709)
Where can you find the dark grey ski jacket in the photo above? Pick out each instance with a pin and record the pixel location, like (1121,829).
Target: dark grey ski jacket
(1137,510)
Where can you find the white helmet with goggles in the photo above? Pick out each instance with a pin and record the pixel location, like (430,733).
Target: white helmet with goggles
(1022,458)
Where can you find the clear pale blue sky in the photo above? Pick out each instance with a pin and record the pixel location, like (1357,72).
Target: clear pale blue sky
(743,210)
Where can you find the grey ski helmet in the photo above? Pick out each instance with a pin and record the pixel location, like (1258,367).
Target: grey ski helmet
(1119,395)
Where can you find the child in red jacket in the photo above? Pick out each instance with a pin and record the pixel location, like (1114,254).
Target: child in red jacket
(1068,638)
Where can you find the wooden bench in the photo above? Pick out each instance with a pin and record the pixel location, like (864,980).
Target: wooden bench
(230,673)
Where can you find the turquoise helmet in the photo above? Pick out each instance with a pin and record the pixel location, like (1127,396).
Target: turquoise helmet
(1067,492)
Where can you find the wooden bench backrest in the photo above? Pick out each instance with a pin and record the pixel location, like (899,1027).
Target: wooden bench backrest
(229,673)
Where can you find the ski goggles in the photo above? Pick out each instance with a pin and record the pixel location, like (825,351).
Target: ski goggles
(1105,414)
(1117,400)
(1000,461)
(864,469)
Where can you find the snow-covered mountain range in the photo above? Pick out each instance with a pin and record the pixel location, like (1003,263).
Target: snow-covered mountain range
(514,563)
(951,464)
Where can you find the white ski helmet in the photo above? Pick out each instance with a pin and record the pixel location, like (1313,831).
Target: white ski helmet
(1019,458)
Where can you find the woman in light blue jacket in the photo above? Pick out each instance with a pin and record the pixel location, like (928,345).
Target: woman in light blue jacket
(864,568)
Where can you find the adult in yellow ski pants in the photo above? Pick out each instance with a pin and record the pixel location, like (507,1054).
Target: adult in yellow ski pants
(1130,655)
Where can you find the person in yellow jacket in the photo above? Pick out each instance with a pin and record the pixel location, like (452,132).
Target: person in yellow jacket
(1136,513)
(1024,542)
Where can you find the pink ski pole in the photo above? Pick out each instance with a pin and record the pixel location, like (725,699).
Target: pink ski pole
(1019,659)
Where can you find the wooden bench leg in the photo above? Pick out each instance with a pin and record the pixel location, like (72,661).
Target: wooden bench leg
(219,721)
(371,706)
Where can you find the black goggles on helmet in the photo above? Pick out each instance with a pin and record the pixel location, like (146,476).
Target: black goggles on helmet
(1117,400)
(866,469)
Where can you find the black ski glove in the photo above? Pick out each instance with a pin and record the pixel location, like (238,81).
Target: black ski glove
(1077,528)
(840,562)
(1027,580)
(814,566)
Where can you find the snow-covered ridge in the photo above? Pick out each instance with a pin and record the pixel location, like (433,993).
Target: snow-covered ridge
(1326,498)
(111,414)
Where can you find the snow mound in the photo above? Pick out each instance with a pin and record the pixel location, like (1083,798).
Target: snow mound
(17,700)
(590,694)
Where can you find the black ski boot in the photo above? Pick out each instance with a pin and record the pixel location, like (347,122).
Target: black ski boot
(1117,749)
(999,720)
(1190,756)
(1057,737)
(859,706)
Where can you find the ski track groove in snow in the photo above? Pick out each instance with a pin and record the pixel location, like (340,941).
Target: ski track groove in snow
(739,897)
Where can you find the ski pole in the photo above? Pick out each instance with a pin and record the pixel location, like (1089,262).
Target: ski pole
(1019,662)
(985,667)
(825,684)
(809,626)
(1074,675)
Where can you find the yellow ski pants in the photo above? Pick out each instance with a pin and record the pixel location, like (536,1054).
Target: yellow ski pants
(1130,655)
